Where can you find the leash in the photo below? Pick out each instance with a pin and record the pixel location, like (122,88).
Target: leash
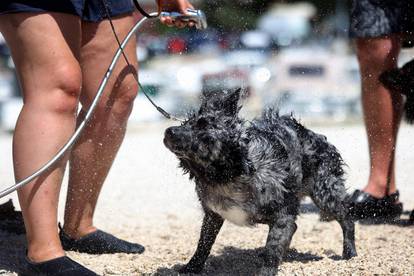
(143,12)
(65,148)
(197,16)
(107,13)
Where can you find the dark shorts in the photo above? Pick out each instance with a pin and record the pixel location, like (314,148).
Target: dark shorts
(88,10)
(376,18)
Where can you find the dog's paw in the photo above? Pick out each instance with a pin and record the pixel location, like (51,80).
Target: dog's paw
(267,271)
(349,254)
(190,269)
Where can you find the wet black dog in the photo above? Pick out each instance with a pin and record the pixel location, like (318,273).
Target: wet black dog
(257,172)
(401,80)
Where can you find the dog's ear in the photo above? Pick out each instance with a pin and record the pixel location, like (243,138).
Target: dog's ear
(231,102)
(210,101)
(226,101)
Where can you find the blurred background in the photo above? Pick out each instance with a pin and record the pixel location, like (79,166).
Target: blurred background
(295,55)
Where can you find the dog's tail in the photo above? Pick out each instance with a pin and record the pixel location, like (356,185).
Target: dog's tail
(409,108)
(393,80)
(400,81)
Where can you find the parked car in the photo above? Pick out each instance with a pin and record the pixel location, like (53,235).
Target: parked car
(228,79)
(317,105)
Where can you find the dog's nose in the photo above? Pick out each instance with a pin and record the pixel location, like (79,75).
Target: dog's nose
(169,133)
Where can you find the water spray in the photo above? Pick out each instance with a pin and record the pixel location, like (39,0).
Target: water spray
(195,16)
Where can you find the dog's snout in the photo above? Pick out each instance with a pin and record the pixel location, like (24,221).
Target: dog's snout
(170,133)
(173,139)
(171,136)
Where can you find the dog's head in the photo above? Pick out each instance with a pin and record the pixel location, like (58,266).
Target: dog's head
(210,144)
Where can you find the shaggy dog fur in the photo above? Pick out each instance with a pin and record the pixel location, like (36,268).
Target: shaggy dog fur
(257,172)
(401,80)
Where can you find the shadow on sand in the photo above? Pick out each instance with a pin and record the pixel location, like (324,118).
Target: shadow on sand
(12,239)
(234,261)
(401,222)
(310,208)
(231,261)
(12,251)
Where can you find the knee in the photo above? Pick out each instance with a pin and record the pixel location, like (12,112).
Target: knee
(377,54)
(64,97)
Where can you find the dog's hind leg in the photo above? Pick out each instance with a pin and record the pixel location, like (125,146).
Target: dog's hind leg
(330,196)
(348,231)
(211,227)
(281,231)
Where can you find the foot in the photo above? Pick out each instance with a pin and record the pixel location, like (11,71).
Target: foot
(99,242)
(349,253)
(62,266)
(365,206)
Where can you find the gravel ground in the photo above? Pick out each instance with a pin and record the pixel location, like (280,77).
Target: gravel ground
(146,199)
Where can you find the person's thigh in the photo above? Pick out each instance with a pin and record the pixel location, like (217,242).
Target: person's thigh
(45,49)
(98,49)
(378,54)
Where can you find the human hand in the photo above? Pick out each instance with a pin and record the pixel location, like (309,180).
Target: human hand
(180,6)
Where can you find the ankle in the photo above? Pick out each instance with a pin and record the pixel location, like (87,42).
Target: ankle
(39,254)
(379,189)
(78,232)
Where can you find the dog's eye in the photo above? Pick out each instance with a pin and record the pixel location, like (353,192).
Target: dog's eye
(202,122)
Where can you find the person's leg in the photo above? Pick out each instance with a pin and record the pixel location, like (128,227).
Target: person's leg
(45,48)
(98,145)
(382,110)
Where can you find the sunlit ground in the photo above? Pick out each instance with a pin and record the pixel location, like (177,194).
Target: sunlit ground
(147,199)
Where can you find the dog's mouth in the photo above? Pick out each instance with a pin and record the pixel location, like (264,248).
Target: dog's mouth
(169,144)
(174,147)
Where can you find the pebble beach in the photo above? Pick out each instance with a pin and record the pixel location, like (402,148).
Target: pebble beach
(147,199)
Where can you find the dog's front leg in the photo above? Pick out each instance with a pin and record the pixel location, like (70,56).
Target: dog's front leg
(211,226)
(281,231)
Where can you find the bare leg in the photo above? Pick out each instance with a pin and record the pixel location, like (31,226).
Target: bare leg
(98,145)
(49,73)
(382,110)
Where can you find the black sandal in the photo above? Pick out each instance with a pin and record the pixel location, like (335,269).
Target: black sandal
(11,221)
(99,242)
(364,206)
(62,266)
